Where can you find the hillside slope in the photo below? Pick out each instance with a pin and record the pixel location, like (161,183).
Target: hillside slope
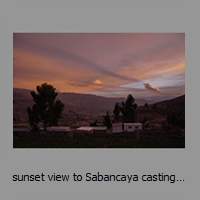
(86,107)
(78,107)
(157,113)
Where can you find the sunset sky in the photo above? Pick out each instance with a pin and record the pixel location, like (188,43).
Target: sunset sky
(105,64)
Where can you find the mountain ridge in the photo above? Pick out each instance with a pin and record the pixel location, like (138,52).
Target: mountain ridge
(78,107)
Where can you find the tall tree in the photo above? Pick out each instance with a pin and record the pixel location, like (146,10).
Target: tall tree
(107,121)
(116,112)
(127,109)
(47,109)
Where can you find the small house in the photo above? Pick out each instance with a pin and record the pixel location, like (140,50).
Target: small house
(84,129)
(117,127)
(131,127)
(99,129)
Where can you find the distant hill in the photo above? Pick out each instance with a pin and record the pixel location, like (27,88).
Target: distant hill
(87,107)
(147,114)
(176,105)
(158,112)
(78,107)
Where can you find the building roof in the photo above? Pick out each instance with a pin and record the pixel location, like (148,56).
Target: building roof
(117,124)
(133,124)
(99,128)
(85,128)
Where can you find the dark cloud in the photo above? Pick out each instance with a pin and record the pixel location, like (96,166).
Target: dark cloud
(48,50)
(151,87)
(91,65)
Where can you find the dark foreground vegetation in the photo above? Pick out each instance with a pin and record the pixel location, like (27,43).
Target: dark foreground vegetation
(100,140)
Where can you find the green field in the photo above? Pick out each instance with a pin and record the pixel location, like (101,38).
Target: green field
(119,140)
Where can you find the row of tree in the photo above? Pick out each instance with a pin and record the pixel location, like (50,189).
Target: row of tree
(123,112)
(48,110)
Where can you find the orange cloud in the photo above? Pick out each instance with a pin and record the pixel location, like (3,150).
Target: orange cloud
(97,81)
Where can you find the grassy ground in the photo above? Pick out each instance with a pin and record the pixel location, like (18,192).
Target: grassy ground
(120,140)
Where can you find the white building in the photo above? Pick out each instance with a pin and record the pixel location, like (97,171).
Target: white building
(117,128)
(84,129)
(91,129)
(131,127)
(99,129)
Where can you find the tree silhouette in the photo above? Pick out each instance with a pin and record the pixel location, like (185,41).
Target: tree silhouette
(176,119)
(47,109)
(107,121)
(116,112)
(127,109)
(94,123)
(146,105)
